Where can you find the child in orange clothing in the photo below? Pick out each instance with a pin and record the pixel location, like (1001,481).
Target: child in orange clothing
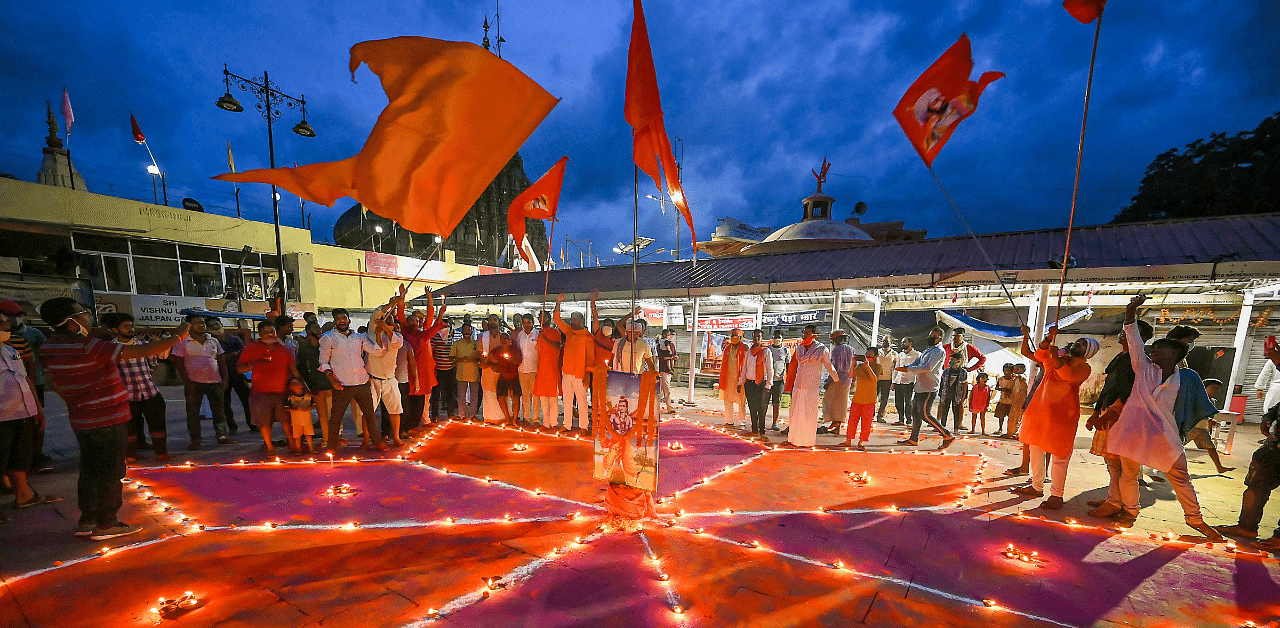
(861,412)
(979,398)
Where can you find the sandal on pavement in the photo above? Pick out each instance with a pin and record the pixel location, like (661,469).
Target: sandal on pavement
(37,500)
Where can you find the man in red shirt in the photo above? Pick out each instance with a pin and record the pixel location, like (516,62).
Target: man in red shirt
(83,371)
(272,364)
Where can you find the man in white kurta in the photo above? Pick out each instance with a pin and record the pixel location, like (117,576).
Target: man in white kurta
(810,358)
(1146,432)
(490,339)
(1268,386)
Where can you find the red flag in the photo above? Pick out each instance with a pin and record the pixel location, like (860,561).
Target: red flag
(456,115)
(68,117)
(943,96)
(538,202)
(137,131)
(1085,10)
(643,111)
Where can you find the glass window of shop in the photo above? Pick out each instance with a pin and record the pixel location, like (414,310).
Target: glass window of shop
(117,264)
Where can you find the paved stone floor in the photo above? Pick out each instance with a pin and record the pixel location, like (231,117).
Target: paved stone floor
(462,530)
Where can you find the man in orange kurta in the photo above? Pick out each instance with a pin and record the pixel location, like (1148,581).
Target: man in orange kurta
(1050,420)
(578,359)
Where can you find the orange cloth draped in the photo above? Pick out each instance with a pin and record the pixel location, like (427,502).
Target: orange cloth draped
(632,503)
(547,381)
(643,111)
(538,202)
(455,117)
(943,96)
(1050,420)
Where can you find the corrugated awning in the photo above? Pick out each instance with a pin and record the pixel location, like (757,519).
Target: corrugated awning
(1209,249)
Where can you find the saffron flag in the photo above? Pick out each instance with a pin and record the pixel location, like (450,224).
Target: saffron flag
(68,117)
(231,161)
(538,202)
(137,130)
(643,111)
(456,114)
(943,96)
(1085,10)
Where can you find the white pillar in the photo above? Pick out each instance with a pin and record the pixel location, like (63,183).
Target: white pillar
(875,321)
(760,316)
(1242,335)
(693,349)
(835,310)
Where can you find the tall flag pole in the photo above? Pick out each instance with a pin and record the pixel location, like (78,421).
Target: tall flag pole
(68,118)
(643,111)
(933,107)
(1085,11)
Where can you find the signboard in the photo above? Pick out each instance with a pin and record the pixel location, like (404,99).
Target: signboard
(774,319)
(675,316)
(160,311)
(381,264)
(723,323)
(654,316)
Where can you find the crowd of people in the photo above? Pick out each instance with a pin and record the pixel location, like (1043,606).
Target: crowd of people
(416,367)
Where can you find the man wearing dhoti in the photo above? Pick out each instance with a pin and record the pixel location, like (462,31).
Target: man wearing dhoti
(804,380)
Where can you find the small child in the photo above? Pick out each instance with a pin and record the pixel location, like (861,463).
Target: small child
(1004,404)
(979,397)
(299,403)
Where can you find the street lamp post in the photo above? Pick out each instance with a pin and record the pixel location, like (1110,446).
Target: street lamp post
(269,99)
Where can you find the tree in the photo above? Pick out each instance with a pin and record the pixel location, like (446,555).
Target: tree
(1222,176)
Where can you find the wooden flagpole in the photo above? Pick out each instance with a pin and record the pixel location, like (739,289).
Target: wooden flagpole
(1075,191)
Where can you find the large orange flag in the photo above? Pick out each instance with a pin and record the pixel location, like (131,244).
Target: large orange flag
(1085,11)
(643,110)
(943,96)
(456,115)
(538,202)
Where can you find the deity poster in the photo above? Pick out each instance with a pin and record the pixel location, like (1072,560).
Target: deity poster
(626,443)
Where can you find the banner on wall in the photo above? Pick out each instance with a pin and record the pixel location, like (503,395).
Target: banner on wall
(162,311)
(774,319)
(675,316)
(723,323)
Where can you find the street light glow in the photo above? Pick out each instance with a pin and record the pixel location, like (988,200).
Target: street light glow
(153,169)
(378,228)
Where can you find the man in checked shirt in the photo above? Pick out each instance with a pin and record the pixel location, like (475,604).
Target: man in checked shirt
(145,401)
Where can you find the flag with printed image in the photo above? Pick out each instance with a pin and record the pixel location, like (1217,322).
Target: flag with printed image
(940,99)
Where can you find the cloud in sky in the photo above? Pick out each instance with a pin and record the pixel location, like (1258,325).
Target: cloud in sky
(758,91)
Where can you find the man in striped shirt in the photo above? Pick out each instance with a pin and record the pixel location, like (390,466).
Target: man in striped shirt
(83,371)
(444,397)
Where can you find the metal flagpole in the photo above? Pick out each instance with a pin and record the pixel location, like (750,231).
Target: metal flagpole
(635,261)
(546,283)
(1075,191)
(978,242)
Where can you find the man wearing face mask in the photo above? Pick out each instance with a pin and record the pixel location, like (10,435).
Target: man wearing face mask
(578,360)
(83,372)
(28,340)
(733,356)
(928,371)
(273,365)
(203,368)
(780,357)
(804,378)
(20,417)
